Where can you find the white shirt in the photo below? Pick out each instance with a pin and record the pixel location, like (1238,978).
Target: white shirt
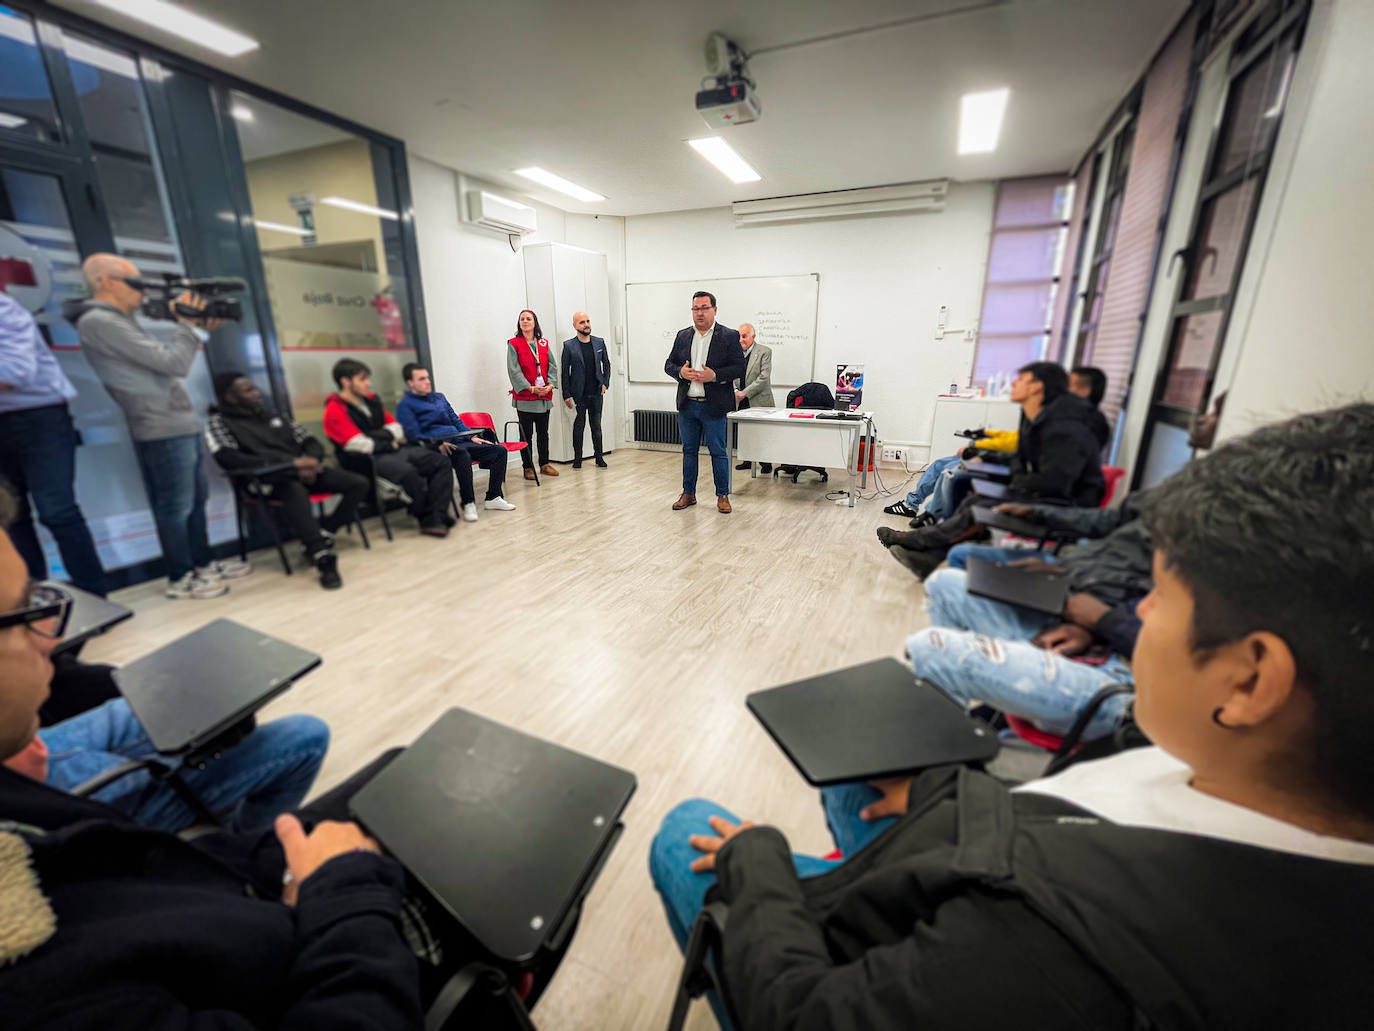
(1148,787)
(701,343)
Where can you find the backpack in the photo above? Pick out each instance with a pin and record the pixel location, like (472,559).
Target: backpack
(811,395)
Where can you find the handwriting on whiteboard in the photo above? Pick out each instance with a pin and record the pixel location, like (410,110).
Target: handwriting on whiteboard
(777,329)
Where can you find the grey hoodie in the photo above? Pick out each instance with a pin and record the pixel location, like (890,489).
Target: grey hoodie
(142,373)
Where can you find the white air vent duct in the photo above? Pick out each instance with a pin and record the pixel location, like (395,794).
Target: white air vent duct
(505,216)
(875,200)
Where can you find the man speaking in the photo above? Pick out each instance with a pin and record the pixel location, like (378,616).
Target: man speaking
(706,359)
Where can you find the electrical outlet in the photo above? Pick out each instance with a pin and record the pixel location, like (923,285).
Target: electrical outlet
(892,453)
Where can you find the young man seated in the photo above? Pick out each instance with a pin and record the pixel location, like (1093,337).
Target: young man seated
(244,435)
(1169,887)
(1057,460)
(428,418)
(358,424)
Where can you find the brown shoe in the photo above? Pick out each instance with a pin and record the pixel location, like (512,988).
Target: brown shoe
(723,504)
(685,501)
(529,474)
(548,470)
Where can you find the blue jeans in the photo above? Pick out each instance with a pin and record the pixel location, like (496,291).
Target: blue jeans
(38,458)
(959,554)
(929,478)
(693,423)
(684,892)
(267,773)
(174,476)
(952,606)
(950,490)
(1017,677)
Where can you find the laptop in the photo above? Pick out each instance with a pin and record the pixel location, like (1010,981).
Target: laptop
(189,692)
(1032,589)
(988,489)
(989,469)
(869,721)
(505,831)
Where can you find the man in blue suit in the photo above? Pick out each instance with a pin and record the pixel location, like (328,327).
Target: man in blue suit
(706,359)
(586,375)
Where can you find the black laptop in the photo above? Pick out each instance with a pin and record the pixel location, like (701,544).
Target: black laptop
(1039,590)
(189,692)
(91,615)
(989,489)
(506,831)
(869,721)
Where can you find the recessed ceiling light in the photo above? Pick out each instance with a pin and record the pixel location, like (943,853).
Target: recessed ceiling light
(980,120)
(277,227)
(11,121)
(177,20)
(557,182)
(353,205)
(243,114)
(723,156)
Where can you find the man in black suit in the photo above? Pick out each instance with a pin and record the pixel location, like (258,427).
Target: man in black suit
(706,359)
(586,375)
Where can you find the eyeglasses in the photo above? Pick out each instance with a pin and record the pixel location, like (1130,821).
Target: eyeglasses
(46,602)
(708,307)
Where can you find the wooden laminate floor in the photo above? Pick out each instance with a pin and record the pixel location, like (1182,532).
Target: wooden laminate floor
(598,618)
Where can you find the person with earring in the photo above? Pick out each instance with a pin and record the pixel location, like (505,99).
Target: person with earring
(532,371)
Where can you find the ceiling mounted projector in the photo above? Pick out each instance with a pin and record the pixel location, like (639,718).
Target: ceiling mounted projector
(731,98)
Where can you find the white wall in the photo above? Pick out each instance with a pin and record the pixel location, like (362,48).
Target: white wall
(882,282)
(1305,337)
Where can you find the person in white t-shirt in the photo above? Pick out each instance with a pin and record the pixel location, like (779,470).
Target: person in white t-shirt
(1222,878)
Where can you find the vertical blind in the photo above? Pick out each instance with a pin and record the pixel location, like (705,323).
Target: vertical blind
(1147,190)
(1070,284)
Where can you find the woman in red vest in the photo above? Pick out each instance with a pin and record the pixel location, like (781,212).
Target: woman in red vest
(533,372)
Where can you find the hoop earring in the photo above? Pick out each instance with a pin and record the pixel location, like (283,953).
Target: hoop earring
(1216,718)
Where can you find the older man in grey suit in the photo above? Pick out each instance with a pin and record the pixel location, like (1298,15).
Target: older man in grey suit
(755,390)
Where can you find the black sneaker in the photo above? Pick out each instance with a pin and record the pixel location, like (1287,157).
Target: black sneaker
(328,568)
(924,519)
(900,508)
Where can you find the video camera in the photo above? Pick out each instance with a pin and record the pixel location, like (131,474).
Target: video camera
(161,305)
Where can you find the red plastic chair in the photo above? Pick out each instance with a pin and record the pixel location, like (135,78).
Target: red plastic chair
(484,421)
(1113,474)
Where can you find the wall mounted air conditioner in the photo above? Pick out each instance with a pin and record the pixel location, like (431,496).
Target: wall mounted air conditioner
(505,216)
(926,196)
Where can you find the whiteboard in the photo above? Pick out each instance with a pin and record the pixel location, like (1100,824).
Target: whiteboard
(782,310)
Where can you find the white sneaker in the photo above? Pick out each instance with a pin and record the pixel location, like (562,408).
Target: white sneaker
(470,512)
(225,569)
(499,504)
(193,586)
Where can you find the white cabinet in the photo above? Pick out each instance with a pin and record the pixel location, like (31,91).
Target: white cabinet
(561,280)
(953,414)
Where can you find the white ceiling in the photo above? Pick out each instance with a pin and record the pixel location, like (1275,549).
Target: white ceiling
(601,91)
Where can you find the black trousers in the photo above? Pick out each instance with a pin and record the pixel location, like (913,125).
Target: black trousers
(532,424)
(491,457)
(424,475)
(588,409)
(294,499)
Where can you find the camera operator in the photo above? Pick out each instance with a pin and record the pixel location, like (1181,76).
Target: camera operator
(143,375)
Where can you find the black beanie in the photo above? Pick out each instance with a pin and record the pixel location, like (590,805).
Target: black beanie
(223,381)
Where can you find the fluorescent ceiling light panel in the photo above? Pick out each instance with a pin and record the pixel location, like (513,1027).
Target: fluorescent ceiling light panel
(243,114)
(723,156)
(99,57)
(177,20)
(980,120)
(11,121)
(557,182)
(353,205)
(277,227)
(16,28)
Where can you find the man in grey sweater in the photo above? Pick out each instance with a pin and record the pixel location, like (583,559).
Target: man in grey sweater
(143,375)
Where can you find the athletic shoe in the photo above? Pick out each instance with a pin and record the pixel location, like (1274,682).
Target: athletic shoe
(499,504)
(470,512)
(225,569)
(193,586)
(901,508)
(328,567)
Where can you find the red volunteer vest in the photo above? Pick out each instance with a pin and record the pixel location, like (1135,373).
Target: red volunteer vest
(526,360)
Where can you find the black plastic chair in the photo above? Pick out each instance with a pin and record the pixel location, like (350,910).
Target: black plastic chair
(250,496)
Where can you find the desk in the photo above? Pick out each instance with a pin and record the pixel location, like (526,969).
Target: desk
(196,691)
(91,616)
(776,435)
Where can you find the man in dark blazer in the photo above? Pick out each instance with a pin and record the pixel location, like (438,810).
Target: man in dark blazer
(706,359)
(586,375)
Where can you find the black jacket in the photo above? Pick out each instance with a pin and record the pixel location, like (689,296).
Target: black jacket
(575,376)
(724,357)
(983,909)
(155,933)
(1058,456)
(244,438)
(1114,565)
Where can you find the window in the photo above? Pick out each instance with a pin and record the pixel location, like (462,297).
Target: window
(1024,261)
(26,104)
(1112,203)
